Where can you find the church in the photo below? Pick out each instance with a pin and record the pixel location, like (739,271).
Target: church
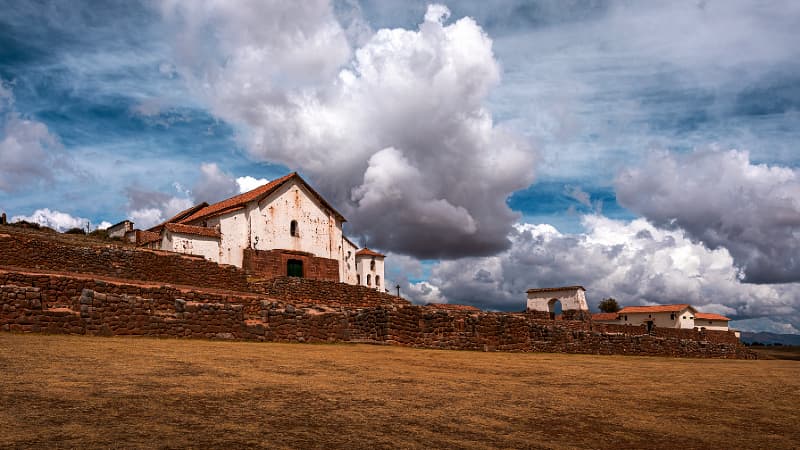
(283,228)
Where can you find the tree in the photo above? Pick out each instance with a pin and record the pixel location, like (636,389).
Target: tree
(609,305)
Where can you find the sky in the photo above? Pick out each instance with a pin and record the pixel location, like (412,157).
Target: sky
(645,150)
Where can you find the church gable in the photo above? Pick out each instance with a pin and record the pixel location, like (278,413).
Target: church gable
(292,218)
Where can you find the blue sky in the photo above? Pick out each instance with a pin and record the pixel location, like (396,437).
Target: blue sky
(537,142)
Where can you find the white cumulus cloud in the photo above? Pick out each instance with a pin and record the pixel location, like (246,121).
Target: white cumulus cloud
(634,262)
(361,123)
(57,220)
(248,183)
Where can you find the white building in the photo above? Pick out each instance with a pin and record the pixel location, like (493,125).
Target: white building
(369,269)
(118,230)
(680,315)
(544,301)
(281,228)
(711,321)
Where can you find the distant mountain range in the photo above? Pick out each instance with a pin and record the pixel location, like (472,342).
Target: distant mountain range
(764,337)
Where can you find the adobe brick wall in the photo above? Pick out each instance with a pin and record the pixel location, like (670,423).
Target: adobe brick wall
(62,304)
(272,263)
(40,251)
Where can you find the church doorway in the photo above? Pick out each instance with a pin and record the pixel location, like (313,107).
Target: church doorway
(294,268)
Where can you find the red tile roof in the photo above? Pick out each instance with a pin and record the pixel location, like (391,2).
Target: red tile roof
(188,229)
(367,252)
(146,237)
(655,308)
(177,217)
(605,316)
(710,316)
(553,289)
(451,307)
(256,195)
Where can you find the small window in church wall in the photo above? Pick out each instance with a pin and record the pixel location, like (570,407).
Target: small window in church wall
(372,264)
(377,281)
(369,281)
(358,279)
(293,228)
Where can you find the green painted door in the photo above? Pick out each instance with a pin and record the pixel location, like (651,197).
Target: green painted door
(294,268)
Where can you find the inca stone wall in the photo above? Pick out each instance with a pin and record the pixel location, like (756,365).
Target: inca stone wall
(302,290)
(24,250)
(64,304)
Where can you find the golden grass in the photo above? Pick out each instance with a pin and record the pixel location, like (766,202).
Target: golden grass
(78,392)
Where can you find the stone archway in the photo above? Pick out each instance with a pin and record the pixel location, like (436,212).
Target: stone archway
(555,308)
(542,303)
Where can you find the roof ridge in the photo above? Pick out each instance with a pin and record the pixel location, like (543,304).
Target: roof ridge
(368,251)
(657,308)
(192,229)
(256,194)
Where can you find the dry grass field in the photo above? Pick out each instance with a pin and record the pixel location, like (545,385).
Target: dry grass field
(79,392)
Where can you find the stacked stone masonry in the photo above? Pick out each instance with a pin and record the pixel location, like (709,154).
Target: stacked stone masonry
(72,305)
(31,251)
(302,290)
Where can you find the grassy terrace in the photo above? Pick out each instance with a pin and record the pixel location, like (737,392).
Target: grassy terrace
(77,392)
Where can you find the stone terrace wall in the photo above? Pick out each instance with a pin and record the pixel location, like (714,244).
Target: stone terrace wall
(420,327)
(60,304)
(38,251)
(716,336)
(303,290)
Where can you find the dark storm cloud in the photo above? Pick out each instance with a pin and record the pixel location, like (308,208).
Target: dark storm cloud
(724,200)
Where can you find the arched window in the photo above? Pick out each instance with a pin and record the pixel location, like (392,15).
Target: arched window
(377,281)
(372,264)
(369,281)
(358,280)
(293,228)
